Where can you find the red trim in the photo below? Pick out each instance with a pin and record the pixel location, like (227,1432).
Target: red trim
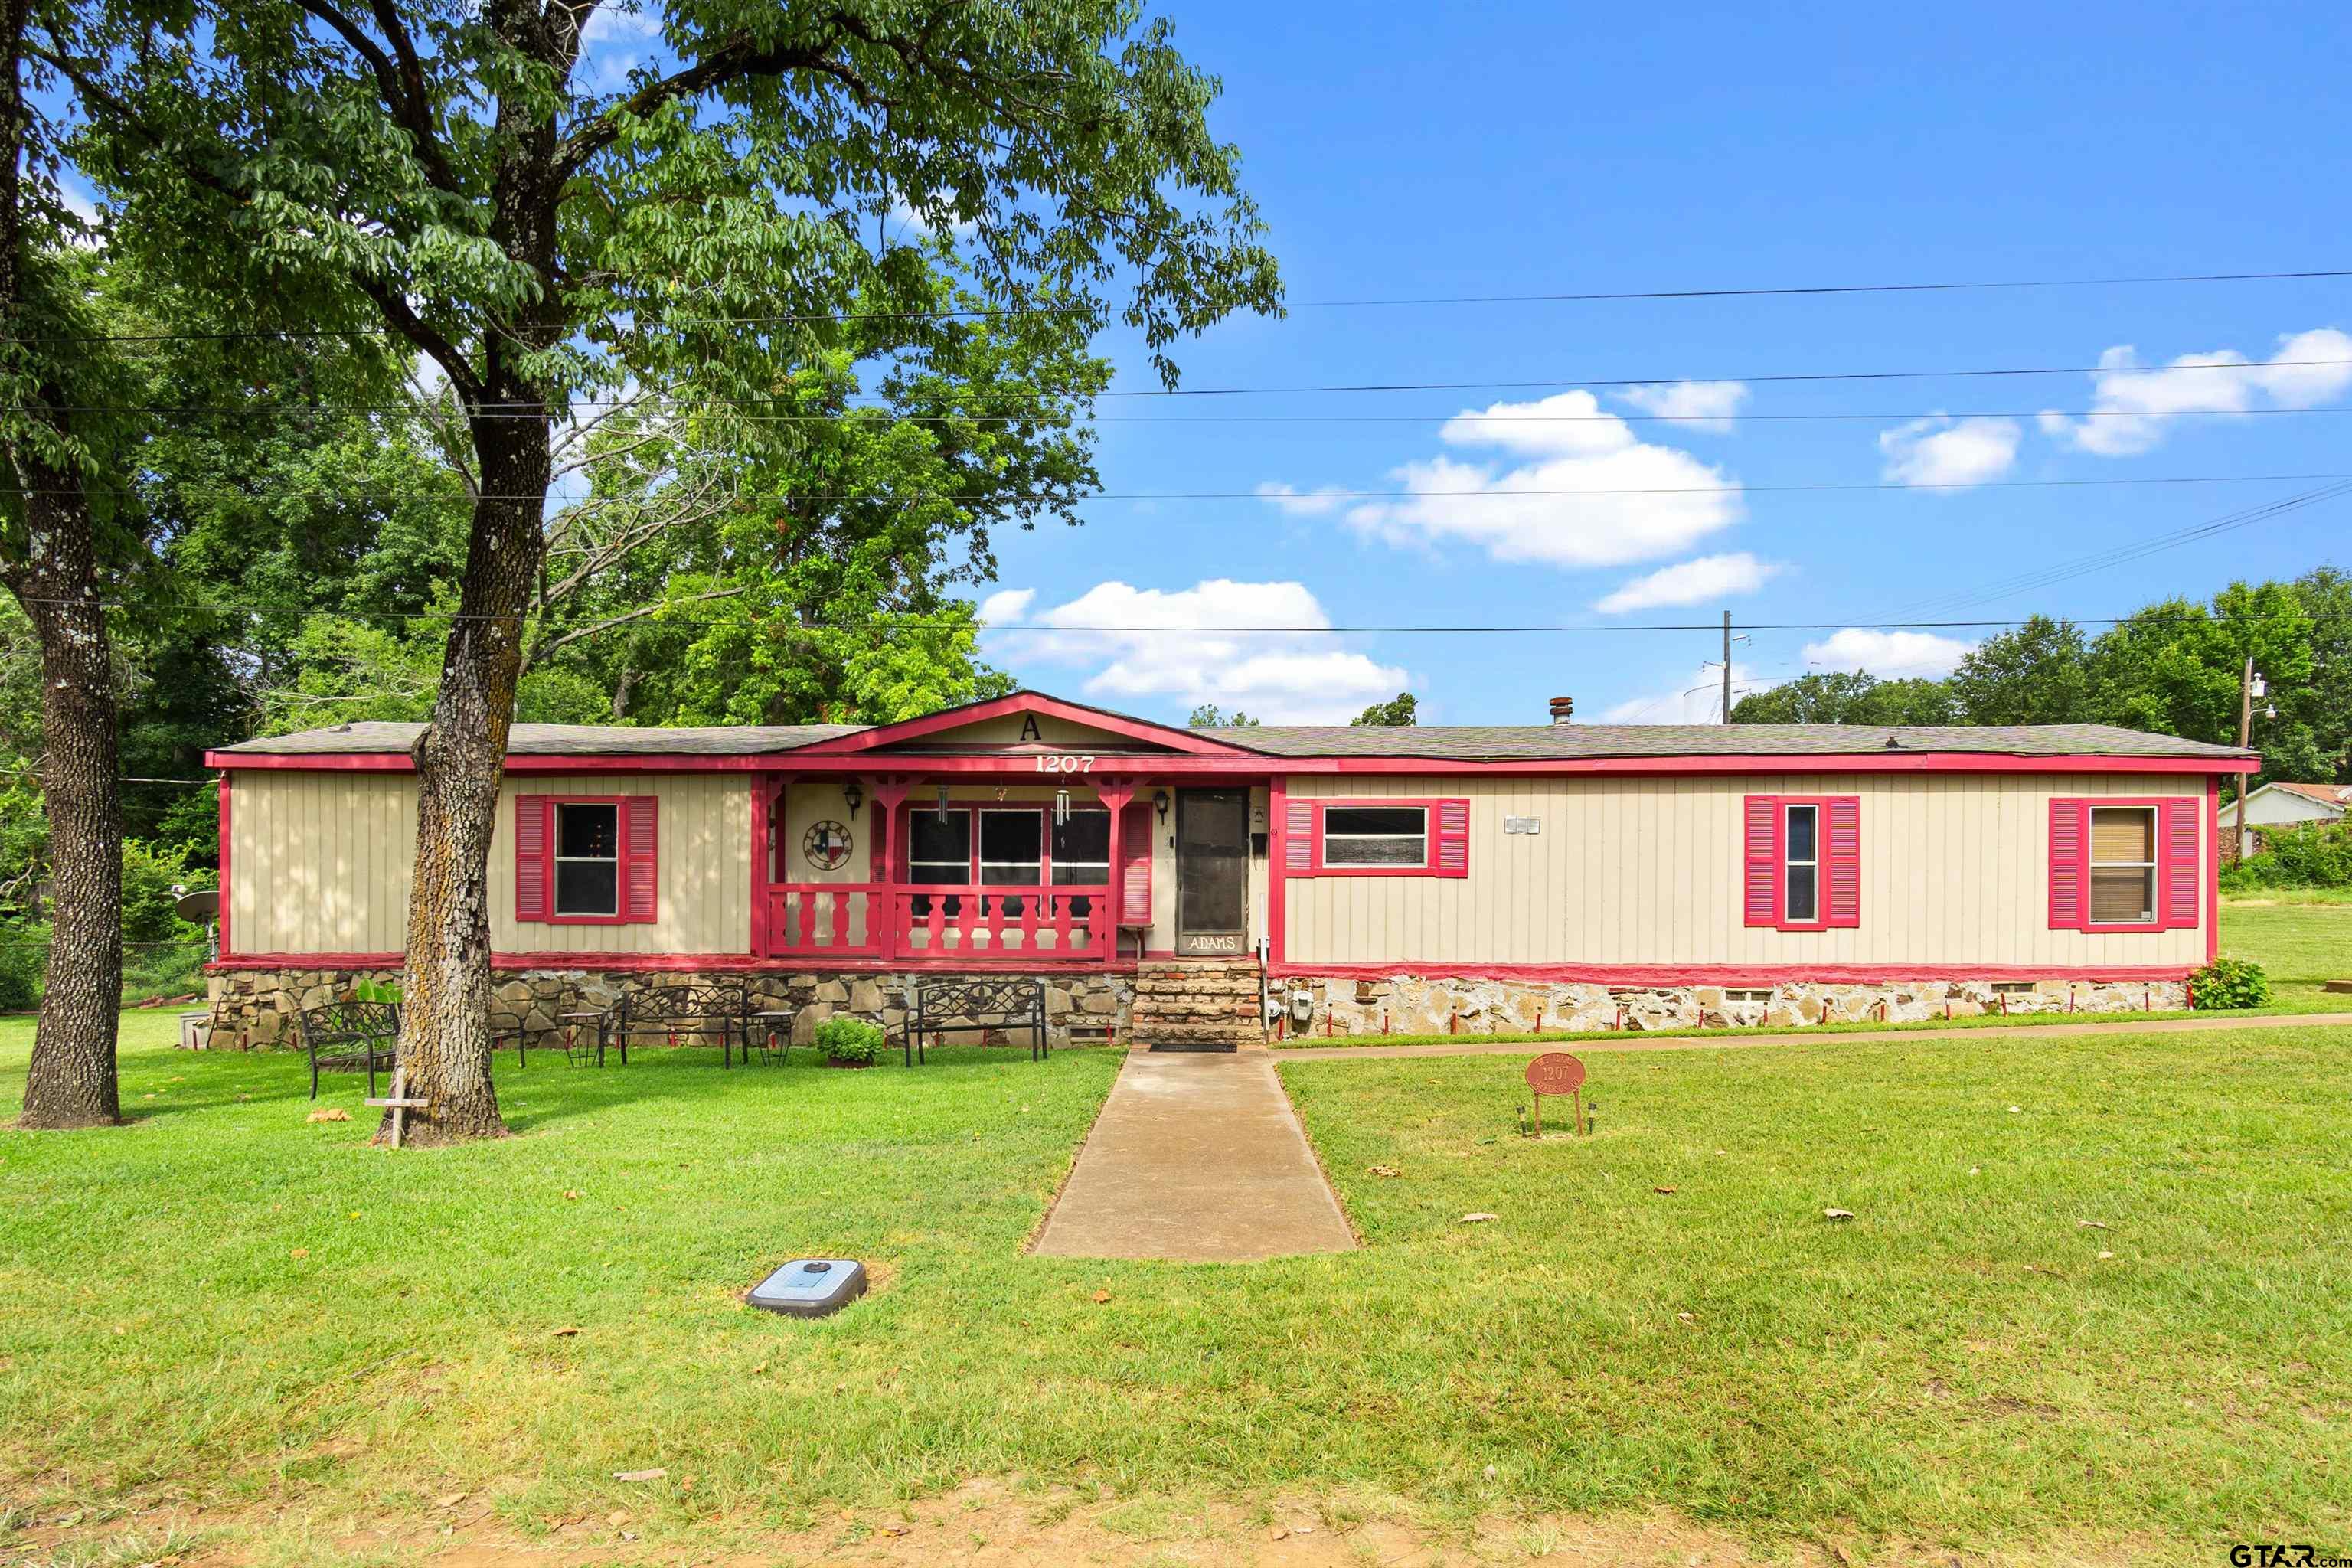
(886,735)
(224,866)
(1241,765)
(1432,808)
(763,791)
(1278,822)
(1649,975)
(586,960)
(2212,871)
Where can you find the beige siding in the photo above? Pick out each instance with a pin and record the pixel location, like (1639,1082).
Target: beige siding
(1641,870)
(321,863)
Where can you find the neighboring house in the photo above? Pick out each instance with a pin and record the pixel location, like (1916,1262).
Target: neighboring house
(1486,877)
(2277,805)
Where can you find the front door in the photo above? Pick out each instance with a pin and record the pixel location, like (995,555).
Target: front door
(1211,871)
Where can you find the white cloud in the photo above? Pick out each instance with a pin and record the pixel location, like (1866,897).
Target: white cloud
(1303,503)
(1695,698)
(1701,404)
(1942,450)
(1170,648)
(1889,655)
(1691,583)
(1658,501)
(2136,406)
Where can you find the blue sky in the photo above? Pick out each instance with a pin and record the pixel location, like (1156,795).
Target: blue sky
(1400,151)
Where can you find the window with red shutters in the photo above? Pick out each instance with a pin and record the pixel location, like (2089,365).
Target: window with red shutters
(2124,864)
(587,859)
(1351,837)
(1801,861)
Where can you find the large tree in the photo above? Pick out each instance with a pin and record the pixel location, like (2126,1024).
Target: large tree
(448,171)
(54,556)
(1846,697)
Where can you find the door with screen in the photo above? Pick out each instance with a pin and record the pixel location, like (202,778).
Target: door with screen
(1211,871)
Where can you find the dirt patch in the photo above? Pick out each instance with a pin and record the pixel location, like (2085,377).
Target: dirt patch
(1001,1525)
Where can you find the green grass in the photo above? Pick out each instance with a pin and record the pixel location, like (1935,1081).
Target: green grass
(1905,1375)
(2299,945)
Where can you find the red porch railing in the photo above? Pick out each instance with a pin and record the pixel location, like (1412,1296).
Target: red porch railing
(936,924)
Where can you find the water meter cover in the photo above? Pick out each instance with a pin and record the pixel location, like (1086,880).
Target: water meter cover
(810,1287)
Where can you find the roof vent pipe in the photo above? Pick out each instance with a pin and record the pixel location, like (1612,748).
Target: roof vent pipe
(1561,710)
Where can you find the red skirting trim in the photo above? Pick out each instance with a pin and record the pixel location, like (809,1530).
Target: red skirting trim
(1734,974)
(656,963)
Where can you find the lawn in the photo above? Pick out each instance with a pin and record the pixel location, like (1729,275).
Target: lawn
(227,1304)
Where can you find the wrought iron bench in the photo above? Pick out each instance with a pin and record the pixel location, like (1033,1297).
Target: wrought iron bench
(717,1007)
(349,1037)
(943,1007)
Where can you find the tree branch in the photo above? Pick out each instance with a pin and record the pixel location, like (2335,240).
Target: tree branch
(410,325)
(640,613)
(737,59)
(401,87)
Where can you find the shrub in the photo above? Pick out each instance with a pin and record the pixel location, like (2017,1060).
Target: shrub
(846,1039)
(2317,856)
(2229,983)
(24,954)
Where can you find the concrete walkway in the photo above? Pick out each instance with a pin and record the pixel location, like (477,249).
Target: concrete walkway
(1198,1159)
(1727,1041)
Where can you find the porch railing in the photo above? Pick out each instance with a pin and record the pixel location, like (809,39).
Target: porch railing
(873,920)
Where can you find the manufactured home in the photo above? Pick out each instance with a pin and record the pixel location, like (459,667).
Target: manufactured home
(1176,886)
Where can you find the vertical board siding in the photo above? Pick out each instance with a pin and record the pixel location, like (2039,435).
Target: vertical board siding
(321,863)
(1650,870)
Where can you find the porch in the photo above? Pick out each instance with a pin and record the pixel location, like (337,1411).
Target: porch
(905,870)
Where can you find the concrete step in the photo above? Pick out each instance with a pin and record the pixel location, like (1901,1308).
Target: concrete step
(1187,1035)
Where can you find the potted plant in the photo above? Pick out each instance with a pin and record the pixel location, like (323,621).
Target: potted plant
(847,1042)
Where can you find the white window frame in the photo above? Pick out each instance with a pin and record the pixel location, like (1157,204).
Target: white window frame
(980,863)
(2147,869)
(963,865)
(1103,866)
(1422,838)
(1790,862)
(555,893)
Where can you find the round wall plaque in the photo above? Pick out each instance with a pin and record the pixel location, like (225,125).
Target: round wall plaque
(1555,1072)
(826,846)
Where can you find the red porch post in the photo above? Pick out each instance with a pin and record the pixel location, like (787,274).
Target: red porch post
(763,794)
(1115,795)
(881,866)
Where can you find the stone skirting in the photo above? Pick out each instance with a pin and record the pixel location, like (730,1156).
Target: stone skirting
(1417,1005)
(253,1008)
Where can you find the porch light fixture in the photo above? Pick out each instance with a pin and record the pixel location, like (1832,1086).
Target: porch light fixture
(853,797)
(1160,803)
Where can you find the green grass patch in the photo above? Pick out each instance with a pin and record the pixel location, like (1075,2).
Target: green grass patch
(228,1303)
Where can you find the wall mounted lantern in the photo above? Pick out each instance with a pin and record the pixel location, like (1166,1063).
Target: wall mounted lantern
(1160,803)
(853,797)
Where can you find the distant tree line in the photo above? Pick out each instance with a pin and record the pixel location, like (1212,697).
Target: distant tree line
(2172,667)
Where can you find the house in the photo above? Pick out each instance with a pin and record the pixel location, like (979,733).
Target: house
(1168,883)
(2280,805)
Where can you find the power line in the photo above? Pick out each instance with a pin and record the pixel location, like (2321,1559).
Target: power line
(973,312)
(2082,566)
(519,411)
(1729,486)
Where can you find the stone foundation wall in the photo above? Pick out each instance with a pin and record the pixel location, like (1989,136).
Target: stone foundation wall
(255,1007)
(1415,1004)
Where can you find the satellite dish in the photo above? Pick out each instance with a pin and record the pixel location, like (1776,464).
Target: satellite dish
(200,906)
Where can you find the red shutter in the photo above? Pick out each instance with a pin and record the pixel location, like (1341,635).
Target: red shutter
(1301,843)
(1452,855)
(1845,858)
(1135,869)
(1763,860)
(2180,890)
(2069,906)
(641,858)
(530,857)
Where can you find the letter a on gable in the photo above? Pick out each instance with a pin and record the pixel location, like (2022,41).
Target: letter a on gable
(1029,730)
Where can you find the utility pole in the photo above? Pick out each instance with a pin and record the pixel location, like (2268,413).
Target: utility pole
(1727,667)
(2245,735)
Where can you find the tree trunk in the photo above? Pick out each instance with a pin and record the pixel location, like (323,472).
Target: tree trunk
(445,1033)
(72,1082)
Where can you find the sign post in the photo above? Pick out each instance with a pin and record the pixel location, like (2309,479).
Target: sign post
(1557,1072)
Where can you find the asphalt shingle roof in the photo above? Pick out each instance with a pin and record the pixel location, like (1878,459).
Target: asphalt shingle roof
(1436,742)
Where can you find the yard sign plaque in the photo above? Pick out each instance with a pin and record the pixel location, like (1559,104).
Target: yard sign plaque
(1557,1072)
